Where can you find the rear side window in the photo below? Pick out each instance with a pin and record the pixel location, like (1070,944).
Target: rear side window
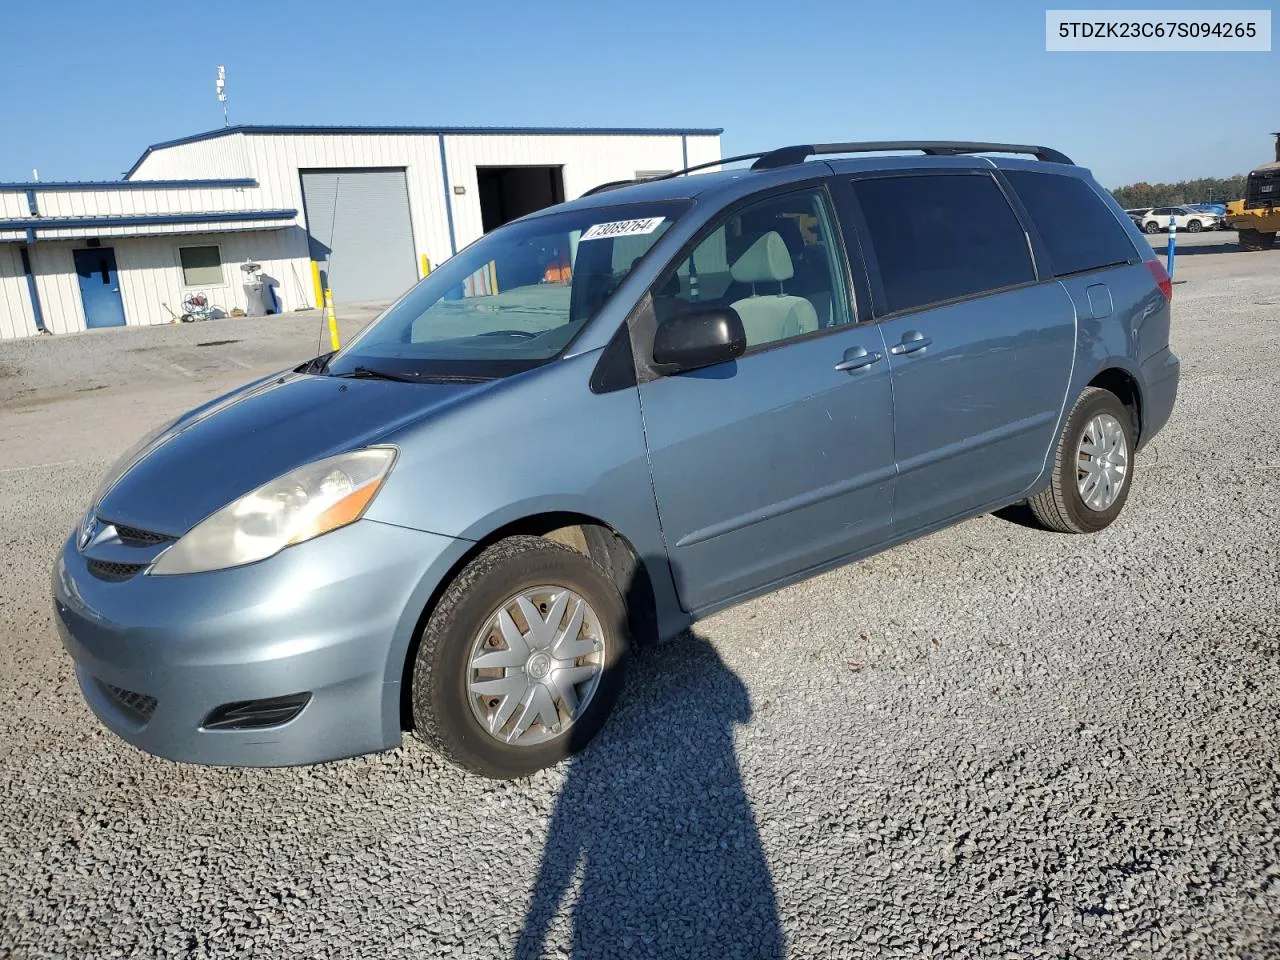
(942,237)
(1077,227)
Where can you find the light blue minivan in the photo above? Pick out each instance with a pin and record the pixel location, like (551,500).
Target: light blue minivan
(602,422)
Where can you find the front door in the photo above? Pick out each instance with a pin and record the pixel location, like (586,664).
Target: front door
(99,287)
(980,353)
(781,461)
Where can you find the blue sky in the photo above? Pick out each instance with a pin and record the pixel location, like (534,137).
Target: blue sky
(88,85)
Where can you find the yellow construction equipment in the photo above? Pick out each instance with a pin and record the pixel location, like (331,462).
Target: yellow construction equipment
(1256,218)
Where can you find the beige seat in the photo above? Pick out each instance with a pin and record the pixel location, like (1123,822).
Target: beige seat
(767,317)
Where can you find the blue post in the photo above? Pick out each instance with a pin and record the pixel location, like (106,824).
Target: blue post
(1173,233)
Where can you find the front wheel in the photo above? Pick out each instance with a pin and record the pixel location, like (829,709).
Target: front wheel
(1092,469)
(522,659)
(1194,226)
(1151,227)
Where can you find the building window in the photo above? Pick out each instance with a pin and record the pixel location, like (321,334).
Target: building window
(201,266)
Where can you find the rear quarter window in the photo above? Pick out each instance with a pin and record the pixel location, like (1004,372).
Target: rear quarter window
(1077,227)
(942,237)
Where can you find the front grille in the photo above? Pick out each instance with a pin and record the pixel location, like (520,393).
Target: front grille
(138,707)
(134,537)
(115,572)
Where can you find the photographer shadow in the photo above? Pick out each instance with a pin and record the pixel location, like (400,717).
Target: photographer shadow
(653,827)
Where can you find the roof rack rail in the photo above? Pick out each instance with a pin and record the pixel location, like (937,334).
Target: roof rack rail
(786,156)
(614,184)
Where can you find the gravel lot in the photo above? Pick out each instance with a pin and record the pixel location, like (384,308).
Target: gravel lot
(993,742)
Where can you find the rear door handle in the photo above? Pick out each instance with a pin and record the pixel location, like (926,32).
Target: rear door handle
(856,358)
(912,341)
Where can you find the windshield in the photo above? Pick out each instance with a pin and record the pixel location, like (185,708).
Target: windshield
(512,300)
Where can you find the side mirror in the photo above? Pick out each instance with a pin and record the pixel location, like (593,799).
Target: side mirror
(699,338)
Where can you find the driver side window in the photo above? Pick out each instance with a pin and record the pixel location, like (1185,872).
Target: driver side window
(775,262)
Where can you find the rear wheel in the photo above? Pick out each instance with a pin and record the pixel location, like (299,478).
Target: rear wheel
(1194,226)
(522,659)
(1151,226)
(1093,467)
(1251,239)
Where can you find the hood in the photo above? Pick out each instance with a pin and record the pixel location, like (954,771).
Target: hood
(220,452)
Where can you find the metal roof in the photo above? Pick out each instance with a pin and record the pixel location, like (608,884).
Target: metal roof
(357,130)
(33,224)
(41,186)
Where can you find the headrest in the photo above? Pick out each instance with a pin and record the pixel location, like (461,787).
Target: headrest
(765,261)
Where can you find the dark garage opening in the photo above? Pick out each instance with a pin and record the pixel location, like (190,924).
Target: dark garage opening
(507,193)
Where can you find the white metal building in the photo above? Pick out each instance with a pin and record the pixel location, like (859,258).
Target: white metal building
(365,210)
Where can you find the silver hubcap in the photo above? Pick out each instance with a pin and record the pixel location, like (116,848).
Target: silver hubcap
(1102,462)
(534,666)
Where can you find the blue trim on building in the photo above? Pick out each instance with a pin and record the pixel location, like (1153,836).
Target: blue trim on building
(36,312)
(448,196)
(430,131)
(31,224)
(32,207)
(53,186)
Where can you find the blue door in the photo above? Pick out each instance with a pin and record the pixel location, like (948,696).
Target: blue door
(980,353)
(99,287)
(782,461)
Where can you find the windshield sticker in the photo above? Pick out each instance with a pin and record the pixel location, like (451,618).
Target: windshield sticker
(622,228)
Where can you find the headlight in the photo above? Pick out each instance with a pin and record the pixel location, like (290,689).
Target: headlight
(304,503)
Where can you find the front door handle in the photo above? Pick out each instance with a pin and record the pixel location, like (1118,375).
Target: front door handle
(856,358)
(912,341)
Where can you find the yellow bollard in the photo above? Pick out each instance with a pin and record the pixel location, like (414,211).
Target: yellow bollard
(426,265)
(315,280)
(332,318)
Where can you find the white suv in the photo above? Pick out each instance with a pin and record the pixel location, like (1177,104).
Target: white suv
(1187,219)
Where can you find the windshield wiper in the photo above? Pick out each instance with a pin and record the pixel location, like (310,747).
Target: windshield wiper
(368,373)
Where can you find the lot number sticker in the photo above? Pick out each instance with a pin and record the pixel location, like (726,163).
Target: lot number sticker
(622,228)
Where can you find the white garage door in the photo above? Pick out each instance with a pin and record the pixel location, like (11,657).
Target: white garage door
(358,221)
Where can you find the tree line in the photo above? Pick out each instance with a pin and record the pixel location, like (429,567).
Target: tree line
(1204,190)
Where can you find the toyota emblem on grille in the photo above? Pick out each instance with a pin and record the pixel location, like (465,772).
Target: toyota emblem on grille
(88,533)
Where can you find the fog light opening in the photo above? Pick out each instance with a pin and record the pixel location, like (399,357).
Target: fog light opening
(256,714)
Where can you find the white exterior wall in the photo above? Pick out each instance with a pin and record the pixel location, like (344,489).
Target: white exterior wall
(13,205)
(704,150)
(16,316)
(588,161)
(276,160)
(220,157)
(123,203)
(147,257)
(57,285)
(151,273)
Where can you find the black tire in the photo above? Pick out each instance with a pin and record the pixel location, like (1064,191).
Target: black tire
(1251,239)
(1151,226)
(1194,226)
(441,712)
(1059,507)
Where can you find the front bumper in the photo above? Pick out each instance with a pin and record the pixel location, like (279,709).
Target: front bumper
(332,617)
